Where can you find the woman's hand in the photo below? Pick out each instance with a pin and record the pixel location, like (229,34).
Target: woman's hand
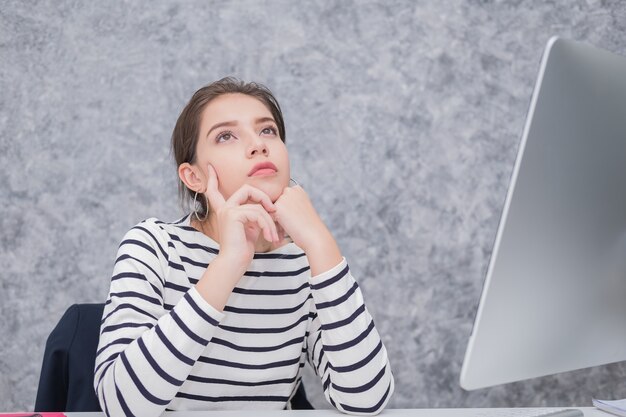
(240,222)
(297,216)
(299,219)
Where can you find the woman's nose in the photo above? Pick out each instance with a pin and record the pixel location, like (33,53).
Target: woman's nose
(258,147)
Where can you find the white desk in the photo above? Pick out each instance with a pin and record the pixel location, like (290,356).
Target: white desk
(423,412)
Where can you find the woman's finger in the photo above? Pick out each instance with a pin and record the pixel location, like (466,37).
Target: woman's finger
(216,199)
(249,193)
(249,213)
(268,218)
(280,231)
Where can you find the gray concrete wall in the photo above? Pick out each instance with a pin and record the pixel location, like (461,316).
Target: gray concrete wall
(403,120)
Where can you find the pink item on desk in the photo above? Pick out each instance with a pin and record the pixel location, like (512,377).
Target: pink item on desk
(32,415)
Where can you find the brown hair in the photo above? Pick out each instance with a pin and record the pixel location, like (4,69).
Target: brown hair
(187,130)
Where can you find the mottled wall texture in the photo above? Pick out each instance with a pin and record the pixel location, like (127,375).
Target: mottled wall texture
(403,122)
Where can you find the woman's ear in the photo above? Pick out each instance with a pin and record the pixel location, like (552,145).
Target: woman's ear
(192,177)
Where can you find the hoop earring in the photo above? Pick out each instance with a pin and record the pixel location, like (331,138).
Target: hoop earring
(195,208)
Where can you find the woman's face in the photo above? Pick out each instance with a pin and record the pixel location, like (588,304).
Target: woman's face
(237,132)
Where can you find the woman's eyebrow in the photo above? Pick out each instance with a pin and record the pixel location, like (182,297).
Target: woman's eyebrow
(234,123)
(231,123)
(264,119)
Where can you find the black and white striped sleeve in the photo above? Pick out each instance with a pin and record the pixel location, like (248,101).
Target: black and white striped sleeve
(344,347)
(146,353)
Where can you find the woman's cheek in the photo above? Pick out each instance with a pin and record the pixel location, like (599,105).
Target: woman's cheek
(227,187)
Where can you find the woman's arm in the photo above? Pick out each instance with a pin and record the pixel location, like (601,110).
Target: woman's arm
(145,353)
(344,347)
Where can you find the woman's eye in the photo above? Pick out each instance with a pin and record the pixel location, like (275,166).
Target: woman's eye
(269,131)
(223,137)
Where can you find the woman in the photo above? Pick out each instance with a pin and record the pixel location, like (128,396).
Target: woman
(220,310)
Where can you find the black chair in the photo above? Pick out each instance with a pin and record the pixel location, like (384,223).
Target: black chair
(66,381)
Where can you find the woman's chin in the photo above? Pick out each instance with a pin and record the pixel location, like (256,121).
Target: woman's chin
(272,189)
(275,194)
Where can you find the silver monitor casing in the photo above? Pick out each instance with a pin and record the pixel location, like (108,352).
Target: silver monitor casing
(554,297)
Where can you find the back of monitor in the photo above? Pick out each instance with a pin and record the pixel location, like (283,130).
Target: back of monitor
(554,298)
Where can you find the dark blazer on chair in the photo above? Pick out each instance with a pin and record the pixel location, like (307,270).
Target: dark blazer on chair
(66,381)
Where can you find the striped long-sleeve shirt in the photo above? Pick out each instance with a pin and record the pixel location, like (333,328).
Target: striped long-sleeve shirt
(163,347)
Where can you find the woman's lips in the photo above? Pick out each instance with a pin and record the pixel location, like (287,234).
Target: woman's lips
(263,172)
(262,169)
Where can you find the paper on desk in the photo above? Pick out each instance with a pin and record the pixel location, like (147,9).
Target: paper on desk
(617,407)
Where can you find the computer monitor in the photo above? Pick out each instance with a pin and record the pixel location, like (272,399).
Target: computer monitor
(554,297)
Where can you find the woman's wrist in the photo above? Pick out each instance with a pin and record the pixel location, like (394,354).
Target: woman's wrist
(219,280)
(233,264)
(323,253)
(315,236)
